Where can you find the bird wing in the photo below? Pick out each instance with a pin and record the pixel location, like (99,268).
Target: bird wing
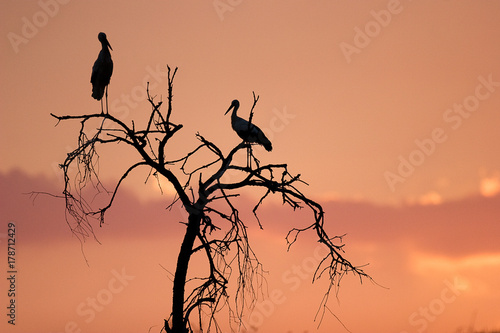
(258,136)
(110,67)
(103,66)
(101,73)
(96,68)
(251,133)
(240,126)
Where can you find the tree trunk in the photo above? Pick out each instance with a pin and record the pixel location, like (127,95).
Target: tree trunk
(178,322)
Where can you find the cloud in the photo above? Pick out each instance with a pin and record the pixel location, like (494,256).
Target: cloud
(454,228)
(41,217)
(474,262)
(490,186)
(431,198)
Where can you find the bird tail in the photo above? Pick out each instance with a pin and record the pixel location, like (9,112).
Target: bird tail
(267,144)
(263,140)
(97,92)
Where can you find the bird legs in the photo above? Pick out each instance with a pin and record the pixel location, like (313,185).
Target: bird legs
(250,156)
(102,106)
(107,110)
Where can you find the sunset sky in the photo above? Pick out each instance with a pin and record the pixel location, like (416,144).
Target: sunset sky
(389,110)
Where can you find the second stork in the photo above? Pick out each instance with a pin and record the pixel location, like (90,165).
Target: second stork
(247,131)
(101,71)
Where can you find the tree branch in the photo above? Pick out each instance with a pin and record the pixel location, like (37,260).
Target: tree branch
(214,232)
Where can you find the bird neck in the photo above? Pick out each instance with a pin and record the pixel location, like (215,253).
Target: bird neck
(105,48)
(233,114)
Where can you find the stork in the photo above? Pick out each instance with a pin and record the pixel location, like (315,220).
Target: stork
(247,131)
(101,71)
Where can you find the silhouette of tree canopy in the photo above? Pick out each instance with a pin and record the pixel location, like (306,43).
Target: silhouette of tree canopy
(213,226)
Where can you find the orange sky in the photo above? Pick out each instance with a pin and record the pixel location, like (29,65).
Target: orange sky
(388,109)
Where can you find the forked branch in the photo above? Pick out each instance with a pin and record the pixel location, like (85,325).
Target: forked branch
(213,231)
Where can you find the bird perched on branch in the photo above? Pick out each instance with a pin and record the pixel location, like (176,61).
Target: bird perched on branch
(246,130)
(102,70)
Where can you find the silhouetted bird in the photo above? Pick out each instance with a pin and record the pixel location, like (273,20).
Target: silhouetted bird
(247,131)
(102,70)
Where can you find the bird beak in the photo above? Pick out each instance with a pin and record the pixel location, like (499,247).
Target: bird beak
(232,106)
(107,43)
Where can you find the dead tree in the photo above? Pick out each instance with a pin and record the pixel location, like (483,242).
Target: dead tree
(216,233)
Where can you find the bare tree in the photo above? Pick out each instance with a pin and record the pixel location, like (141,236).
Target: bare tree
(214,229)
